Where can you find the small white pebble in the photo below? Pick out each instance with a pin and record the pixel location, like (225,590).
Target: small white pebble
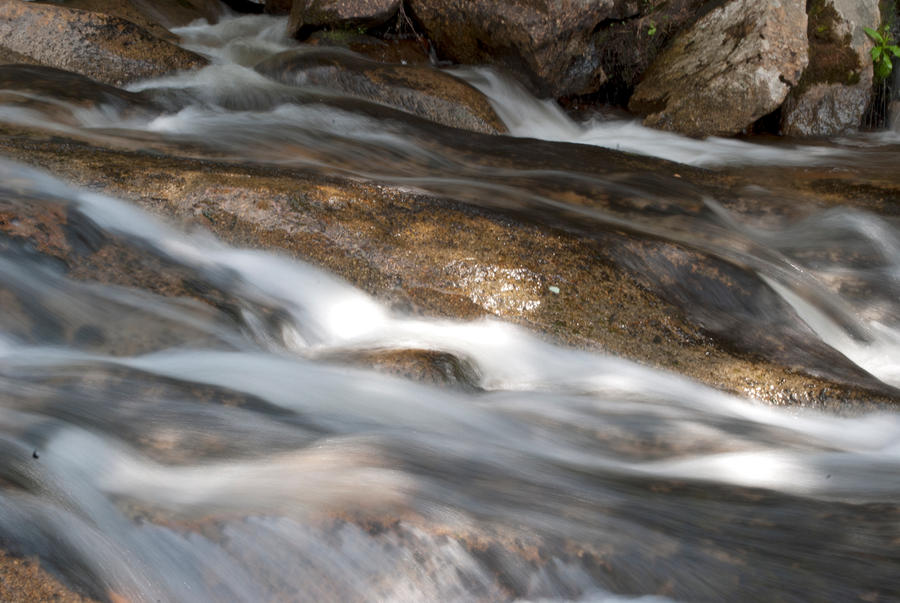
(554,289)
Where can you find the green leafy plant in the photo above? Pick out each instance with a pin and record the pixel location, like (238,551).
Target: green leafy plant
(882,51)
(651,30)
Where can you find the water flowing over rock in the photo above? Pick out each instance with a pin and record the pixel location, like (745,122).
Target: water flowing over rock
(549,44)
(310,15)
(733,66)
(106,48)
(40,88)
(832,96)
(417,89)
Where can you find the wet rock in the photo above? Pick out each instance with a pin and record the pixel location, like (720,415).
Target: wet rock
(417,89)
(42,88)
(49,235)
(23,580)
(424,366)
(548,44)
(406,52)
(734,65)
(106,48)
(597,288)
(310,15)
(832,96)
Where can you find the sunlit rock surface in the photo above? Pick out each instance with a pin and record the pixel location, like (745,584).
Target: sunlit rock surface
(733,66)
(103,47)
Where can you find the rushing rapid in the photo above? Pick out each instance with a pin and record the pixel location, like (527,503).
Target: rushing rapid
(159,448)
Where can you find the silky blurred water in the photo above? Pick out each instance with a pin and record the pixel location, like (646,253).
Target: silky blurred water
(158,448)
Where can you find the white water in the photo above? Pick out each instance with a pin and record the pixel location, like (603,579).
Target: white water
(245,455)
(506,460)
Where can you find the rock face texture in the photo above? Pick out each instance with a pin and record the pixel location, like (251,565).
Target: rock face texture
(549,44)
(176,13)
(734,65)
(309,15)
(417,89)
(278,7)
(832,95)
(106,48)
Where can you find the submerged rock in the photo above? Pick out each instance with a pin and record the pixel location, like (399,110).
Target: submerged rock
(106,48)
(310,15)
(832,96)
(417,89)
(734,65)
(41,88)
(655,301)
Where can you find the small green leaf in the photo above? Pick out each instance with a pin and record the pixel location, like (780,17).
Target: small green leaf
(895,50)
(877,52)
(883,68)
(874,35)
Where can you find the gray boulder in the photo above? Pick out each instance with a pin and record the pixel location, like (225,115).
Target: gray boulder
(832,96)
(736,64)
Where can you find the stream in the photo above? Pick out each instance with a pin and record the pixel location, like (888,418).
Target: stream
(159,449)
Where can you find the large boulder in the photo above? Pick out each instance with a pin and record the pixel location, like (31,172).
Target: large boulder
(836,87)
(103,47)
(310,15)
(124,9)
(734,65)
(418,89)
(550,45)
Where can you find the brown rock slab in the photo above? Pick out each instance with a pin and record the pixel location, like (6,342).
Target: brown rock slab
(310,15)
(734,65)
(417,89)
(439,257)
(106,48)
(124,9)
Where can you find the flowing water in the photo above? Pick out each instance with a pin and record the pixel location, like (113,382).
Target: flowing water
(159,449)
